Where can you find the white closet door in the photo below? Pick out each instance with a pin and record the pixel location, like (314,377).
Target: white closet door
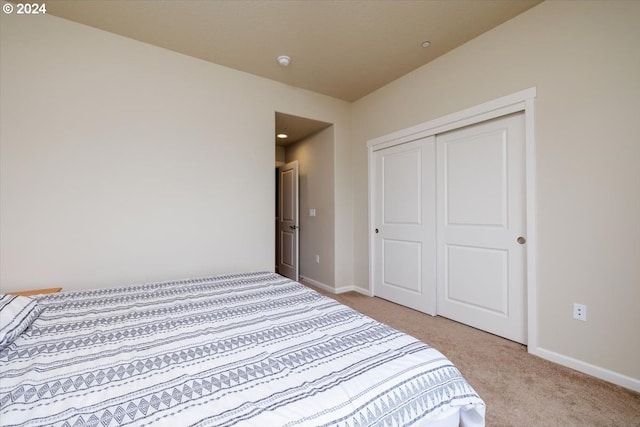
(481,226)
(404,224)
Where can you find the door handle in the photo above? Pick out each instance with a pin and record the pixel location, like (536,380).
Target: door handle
(293,227)
(377,231)
(521,240)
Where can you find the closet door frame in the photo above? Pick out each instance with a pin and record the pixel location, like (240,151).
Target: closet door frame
(522,101)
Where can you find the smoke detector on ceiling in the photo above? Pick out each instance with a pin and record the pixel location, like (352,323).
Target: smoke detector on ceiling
(284,60)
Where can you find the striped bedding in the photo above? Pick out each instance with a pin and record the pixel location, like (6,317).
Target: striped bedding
(251,349)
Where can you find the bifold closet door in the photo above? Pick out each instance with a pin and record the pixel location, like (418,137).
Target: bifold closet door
(404,219)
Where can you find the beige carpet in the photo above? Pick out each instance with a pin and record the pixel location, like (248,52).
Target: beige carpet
(519,389)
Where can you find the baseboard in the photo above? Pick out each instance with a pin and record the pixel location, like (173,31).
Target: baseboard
(587,368)
(317,284)
(343,289)
(338,290)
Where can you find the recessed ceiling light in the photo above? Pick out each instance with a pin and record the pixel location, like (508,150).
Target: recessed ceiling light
(426,43)
(282,135)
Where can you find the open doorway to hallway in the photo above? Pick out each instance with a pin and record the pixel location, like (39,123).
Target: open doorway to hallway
(310,143)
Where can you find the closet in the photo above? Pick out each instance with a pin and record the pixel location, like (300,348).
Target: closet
(448,219)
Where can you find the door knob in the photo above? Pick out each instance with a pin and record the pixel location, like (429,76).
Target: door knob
(521,240)
(377,231)
(293,227)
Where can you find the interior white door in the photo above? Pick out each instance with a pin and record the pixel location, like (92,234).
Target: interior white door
(404,223)
(481,226)
(288,228)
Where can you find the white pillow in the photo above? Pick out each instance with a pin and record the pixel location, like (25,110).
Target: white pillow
(17,313)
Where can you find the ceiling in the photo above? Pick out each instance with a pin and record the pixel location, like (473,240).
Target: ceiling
(296,128)
(341,48)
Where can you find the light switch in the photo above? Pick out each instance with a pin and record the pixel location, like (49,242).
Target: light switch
(312,212)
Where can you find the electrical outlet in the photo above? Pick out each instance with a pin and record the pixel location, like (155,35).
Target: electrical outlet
(317,259)
(580,312)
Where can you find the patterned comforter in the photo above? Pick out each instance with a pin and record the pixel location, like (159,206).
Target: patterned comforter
(250,349)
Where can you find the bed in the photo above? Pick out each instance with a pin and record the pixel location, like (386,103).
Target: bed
(253,349)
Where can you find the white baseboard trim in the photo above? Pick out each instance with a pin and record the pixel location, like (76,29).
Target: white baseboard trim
(338,290)
(317,284)
(587,368)
(343,289)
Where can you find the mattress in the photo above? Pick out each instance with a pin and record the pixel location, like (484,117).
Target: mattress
(253,349)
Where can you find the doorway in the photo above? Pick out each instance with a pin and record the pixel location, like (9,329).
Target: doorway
(297,140)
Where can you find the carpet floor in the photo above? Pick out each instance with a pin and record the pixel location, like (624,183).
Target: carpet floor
(520,390)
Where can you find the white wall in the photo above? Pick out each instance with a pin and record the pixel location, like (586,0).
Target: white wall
(280,154)
(584,59)
(315,160)
(123,163)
